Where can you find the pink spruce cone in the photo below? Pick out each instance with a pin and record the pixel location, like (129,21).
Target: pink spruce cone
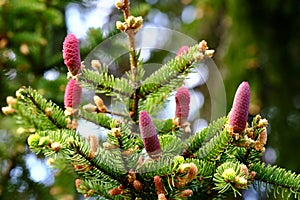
(149,135)
(71,54)
(239,112)
(72,94)
(182,50)
(182,99)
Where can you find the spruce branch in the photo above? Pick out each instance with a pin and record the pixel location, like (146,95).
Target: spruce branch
(166,127)
(232,176)
(105,83)
(40,112)
(212,149)
(158,86)
(174,69)
(68,145)
(195,141)
(131,26)
(96,188)
(144,157)
(280,179)
(120,137)
(101,119)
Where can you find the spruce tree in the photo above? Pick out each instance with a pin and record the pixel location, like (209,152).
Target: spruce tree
(143,156)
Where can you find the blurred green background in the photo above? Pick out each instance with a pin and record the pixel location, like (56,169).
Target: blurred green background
(256,41)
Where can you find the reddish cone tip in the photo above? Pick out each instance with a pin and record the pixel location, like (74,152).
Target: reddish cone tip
(239,112)
(149,135)
(182,50)
(147,127)
(182,99)
(72,94)
(71,54)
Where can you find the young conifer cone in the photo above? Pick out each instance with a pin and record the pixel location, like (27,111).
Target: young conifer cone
(71,54)
(182,99)
(149,135)
(72,94)
(239,111)
(182,50)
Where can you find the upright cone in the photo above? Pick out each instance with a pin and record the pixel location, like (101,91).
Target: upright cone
(72,94)
(71,54)
(182,99)
(239,111)
(149,135)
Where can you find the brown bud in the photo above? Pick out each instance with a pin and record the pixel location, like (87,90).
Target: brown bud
(188,171)
(115,191)
(98,101)
(186,193)
(261,140)
(48,112)
(56,146)
(162,197)
(121,26)
(74,124)
(50,161)
(192,172)
(209,53)
(91,192)
(138,23)
(24,49)
(262,123)
(10,100)
(184,168)
(94,143)
(116,132)
(89,108)
(240,182)
(203,46)
(131,176)
(176,121)
(7,110)
(102,109)
(69,111)
(19,93)
(77,183)
(130,21)
(252,175)
(128,152)
(119,4)
(244,170)
(81,167)
(96,64)
(137,185)
(159,185)
(108,146)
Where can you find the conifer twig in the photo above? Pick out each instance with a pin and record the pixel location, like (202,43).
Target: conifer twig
(130,31)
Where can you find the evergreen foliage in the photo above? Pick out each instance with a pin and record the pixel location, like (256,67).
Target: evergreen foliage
(211,163)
